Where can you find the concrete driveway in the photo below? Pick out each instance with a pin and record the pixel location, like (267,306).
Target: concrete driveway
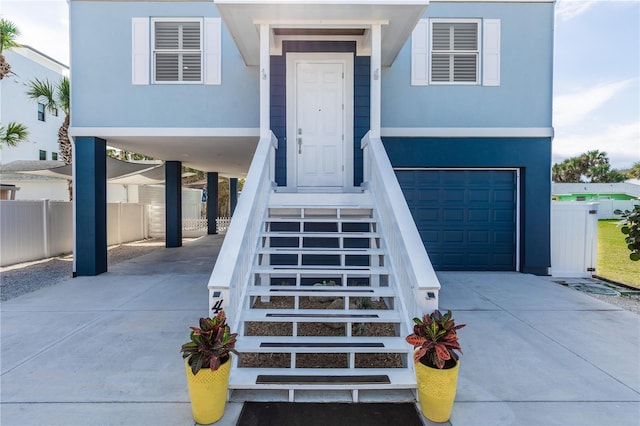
(105,350)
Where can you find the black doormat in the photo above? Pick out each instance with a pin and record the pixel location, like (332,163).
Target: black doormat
(331,414)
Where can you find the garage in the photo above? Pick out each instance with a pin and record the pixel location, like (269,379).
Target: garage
(467,219)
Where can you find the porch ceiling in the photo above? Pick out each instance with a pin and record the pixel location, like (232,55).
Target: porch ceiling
(208,150)
(397,17)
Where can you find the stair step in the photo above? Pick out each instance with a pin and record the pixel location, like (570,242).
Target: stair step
(321,315)
(321,250)
(316,269)
(322,378)
(343,219)
(340,291)
(321,344)
(310,234)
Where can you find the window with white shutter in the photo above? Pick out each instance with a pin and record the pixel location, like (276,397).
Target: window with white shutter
(455,51)
(177,51)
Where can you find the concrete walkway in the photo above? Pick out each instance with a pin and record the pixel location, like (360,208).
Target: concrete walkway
(105,350)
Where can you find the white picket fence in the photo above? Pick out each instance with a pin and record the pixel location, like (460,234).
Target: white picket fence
(574,239)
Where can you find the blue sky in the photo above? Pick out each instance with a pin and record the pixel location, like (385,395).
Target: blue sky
(596,75)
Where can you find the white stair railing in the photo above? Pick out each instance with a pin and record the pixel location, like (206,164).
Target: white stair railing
(412,269)
(232,272)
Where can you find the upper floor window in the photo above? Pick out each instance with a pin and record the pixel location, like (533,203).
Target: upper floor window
(456,51)
(41,114)
(177,51)
(42,155)
(54,112)
(54,156)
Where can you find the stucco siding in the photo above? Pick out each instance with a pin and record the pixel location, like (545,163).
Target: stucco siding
(524,96)
(103,94)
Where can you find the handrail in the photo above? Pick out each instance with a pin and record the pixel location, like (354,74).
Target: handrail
(232,271)
(415,277)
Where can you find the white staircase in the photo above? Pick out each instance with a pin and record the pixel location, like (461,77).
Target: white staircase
(322,287)
(320,319)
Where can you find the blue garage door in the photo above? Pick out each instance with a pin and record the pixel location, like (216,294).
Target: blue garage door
(466,218)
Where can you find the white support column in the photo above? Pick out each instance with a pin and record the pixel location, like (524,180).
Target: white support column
(265,79)
(376,77)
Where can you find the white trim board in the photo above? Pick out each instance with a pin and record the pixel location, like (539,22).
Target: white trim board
(165,131)
(468,132)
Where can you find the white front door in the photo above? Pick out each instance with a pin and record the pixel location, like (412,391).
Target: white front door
(319,120)
(319,124)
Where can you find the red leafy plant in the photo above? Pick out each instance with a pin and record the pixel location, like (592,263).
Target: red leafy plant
(436,339)
(210,344)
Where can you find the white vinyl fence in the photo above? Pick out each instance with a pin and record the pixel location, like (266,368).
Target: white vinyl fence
(606,207)
(126,222)
(33,230)
(574,239)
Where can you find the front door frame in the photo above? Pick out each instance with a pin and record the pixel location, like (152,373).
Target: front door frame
(294,58)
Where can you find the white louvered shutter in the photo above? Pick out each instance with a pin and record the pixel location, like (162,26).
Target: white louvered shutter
(420,54)
(140,51)
(178,53)
(491,52)
(454,55)
(212,51)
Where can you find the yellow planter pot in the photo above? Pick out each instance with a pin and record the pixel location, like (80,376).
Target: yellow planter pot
(208,392)
(436,391)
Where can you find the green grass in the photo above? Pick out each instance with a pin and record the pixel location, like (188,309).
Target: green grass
(613,255)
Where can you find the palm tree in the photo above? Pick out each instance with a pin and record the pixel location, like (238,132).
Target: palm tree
(8,34)
(13,134)
(55,97)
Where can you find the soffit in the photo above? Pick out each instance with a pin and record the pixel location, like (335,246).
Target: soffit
(324,20)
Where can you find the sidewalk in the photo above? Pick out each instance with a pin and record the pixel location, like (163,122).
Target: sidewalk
(105,350)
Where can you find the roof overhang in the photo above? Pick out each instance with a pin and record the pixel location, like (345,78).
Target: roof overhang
(320,20)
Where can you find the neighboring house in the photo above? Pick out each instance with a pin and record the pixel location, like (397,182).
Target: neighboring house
(609,196)
(42,144)
(404,125)
(27,65)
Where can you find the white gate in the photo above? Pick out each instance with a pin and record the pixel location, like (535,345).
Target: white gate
(574,239)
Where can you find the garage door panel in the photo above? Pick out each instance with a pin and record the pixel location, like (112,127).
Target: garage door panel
(478,215)
(479,237)
(505,216)
(428,195)
(453,215)
(505,196)
(453,195)
(479,196)
(466,218)
(453,237)
(503,237)
(424,216)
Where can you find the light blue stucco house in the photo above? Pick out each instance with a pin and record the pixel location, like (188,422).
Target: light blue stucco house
(382,141)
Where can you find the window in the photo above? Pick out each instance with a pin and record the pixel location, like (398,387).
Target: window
(43,155)
(54,156)
(176,51)
(54,112)
(456,51)
(41,115)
